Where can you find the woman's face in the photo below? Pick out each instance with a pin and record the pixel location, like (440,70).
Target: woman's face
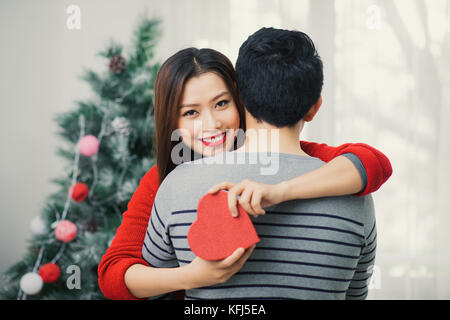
(208,115)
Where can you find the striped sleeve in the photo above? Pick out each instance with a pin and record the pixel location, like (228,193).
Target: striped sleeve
(359,286)
(157,249)
(360,167)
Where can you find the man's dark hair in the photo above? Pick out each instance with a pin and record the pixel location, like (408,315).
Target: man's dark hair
(279,75)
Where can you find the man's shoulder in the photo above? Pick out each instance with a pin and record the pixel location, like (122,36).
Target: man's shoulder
(182,186)
(163,199)
(360,209)
(362,206)
(368,210)
(175,175)
(185,170)
(347,208)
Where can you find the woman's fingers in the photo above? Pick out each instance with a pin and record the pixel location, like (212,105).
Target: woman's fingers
(221,186)
(238,258)
(235,256)
(248,252)
(256,202)
(250,196)
(233,190)
(244,200)
(244,257)
(233,193)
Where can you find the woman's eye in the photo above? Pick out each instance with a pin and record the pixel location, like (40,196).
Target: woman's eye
(222,103)
(189,113)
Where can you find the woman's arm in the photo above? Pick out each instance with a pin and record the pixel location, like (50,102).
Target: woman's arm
(126,247)
(146,281)
(123,274)
(377,166)
(336,178)
(340,176)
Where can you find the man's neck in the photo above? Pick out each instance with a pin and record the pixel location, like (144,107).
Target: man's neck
(263,137)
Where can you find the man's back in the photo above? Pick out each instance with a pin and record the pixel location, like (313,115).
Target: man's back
(309,249)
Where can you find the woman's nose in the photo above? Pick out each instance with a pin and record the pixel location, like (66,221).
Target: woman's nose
(211,122)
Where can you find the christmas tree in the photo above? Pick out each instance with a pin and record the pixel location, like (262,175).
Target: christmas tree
(109,149)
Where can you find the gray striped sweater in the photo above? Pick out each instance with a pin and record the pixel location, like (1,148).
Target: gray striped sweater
(309,249)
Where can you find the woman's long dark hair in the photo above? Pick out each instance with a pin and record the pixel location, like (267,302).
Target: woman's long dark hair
(169,87)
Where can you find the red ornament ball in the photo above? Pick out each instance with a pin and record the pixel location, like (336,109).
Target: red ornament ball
(65,231)
(79,191)
(49,272)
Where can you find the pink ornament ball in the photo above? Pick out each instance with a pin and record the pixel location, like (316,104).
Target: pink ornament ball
(88,145)
(65,231)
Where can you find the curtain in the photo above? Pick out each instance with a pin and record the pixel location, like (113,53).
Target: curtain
(386,68)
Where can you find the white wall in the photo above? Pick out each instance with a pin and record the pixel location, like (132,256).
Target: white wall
(41,61)
(31,92)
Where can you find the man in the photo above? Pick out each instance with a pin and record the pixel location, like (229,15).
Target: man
(309,249)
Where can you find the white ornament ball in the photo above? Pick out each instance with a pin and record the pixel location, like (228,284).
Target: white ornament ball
(31,283)
(37,226)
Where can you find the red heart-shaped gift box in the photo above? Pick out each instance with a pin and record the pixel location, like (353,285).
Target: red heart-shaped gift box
(215,234)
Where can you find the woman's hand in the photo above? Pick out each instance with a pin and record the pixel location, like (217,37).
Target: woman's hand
(143,281)
(253,196)
(203,273)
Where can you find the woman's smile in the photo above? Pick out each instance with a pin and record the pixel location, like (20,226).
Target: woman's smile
(215,141)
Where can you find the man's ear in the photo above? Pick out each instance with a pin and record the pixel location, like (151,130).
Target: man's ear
(313,111)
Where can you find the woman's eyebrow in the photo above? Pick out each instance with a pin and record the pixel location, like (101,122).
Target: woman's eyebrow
(219,95)
(193,105)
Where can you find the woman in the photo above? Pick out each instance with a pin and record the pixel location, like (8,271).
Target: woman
(182,101)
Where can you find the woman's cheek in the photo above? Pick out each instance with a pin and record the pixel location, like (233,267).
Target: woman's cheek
(187,129)
(233,118)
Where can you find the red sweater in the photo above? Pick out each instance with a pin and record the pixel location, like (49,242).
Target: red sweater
(125,249)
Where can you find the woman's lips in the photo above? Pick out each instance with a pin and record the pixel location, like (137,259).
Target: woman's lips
(215,141)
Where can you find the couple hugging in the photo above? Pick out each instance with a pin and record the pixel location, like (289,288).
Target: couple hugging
(313,214)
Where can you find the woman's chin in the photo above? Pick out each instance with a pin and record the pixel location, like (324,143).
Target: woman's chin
(213,152)
(210,152)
